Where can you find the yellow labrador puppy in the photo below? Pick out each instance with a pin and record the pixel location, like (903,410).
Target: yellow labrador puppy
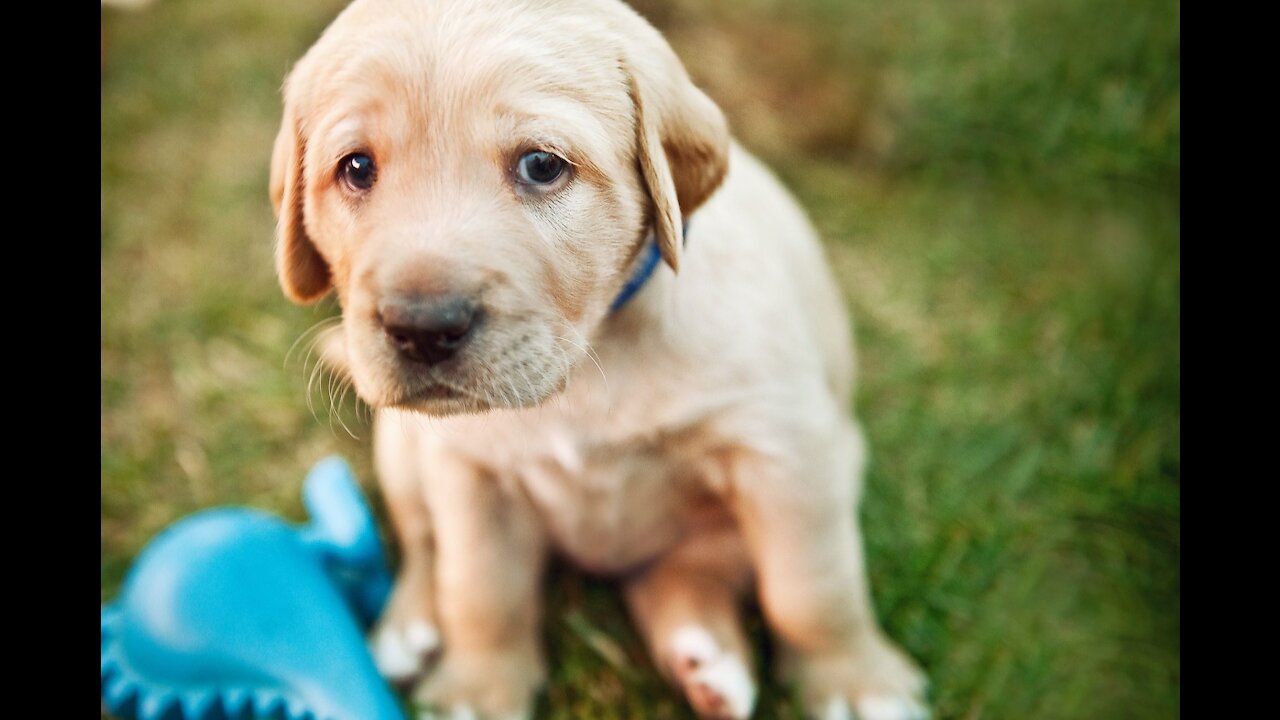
(592,324)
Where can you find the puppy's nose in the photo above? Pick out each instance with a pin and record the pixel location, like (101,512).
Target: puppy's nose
(428,330)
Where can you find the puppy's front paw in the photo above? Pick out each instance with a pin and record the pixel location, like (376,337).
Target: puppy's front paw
(406,639)
(873,681)
(493,686)
(401,650)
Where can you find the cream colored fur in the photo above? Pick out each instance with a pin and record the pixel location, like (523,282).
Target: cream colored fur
(697,444)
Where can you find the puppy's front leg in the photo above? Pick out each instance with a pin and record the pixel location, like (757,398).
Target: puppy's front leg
(490,550)
(407,635)
(799,518)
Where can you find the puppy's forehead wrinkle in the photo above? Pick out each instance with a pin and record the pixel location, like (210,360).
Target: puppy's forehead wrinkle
(465,45)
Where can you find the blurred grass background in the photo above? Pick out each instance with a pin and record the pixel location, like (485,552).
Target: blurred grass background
(997,182)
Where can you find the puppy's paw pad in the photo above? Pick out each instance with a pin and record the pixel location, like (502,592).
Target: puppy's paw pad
(717,683)
(402,652)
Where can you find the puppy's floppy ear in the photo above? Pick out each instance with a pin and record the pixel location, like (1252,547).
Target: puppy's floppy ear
(682,142)
(304,274)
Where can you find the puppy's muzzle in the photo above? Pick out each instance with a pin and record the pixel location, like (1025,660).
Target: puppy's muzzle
(429,329)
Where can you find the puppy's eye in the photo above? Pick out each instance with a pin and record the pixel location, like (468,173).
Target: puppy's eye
(539,168)
(357,172)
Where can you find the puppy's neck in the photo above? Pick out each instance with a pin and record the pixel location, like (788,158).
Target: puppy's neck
(643,268)
(646,291)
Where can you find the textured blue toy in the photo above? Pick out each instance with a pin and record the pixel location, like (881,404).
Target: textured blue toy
(233,613)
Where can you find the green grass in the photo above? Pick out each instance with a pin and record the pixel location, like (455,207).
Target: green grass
(998,185)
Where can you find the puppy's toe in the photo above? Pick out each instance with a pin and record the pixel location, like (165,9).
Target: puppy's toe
(835,709)
(401,652)
(457,712)
(716,683)
(722,689)
(499,686)
(461,711)
(465,712)
(875,707)
(870,680)
(890,707)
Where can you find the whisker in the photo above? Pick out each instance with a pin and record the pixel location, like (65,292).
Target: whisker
(590,354)
(496,377)
(329,394)
(346,387)
(329,387)
(317,328)
(312,378)
(364,413)
(530,388)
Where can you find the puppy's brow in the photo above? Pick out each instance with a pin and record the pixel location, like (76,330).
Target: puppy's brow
(345,136)
(571,133)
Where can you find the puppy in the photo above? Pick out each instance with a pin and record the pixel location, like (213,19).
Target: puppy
(488,186)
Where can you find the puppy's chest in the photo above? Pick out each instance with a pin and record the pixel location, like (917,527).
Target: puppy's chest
(612,505)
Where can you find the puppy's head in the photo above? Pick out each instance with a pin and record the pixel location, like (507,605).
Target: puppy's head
(475,179)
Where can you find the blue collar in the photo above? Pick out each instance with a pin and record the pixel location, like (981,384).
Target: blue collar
(648,263)
(649,258)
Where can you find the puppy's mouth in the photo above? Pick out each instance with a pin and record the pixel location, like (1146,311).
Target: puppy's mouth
(511,366)
(440,394)
(427,394)
(436,398)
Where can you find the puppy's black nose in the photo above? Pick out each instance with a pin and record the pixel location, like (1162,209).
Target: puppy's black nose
(428,330)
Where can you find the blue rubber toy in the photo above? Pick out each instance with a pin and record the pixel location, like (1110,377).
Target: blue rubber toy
(232,614)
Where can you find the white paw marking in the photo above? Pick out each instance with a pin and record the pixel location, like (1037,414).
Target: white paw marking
(392,656)
(398,654)
(728,677)
(695,643)
(722,673)
(422,637)
(889,707)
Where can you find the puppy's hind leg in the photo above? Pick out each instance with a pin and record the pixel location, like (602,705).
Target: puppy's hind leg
(406,638)
(686,606)
(800,521)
